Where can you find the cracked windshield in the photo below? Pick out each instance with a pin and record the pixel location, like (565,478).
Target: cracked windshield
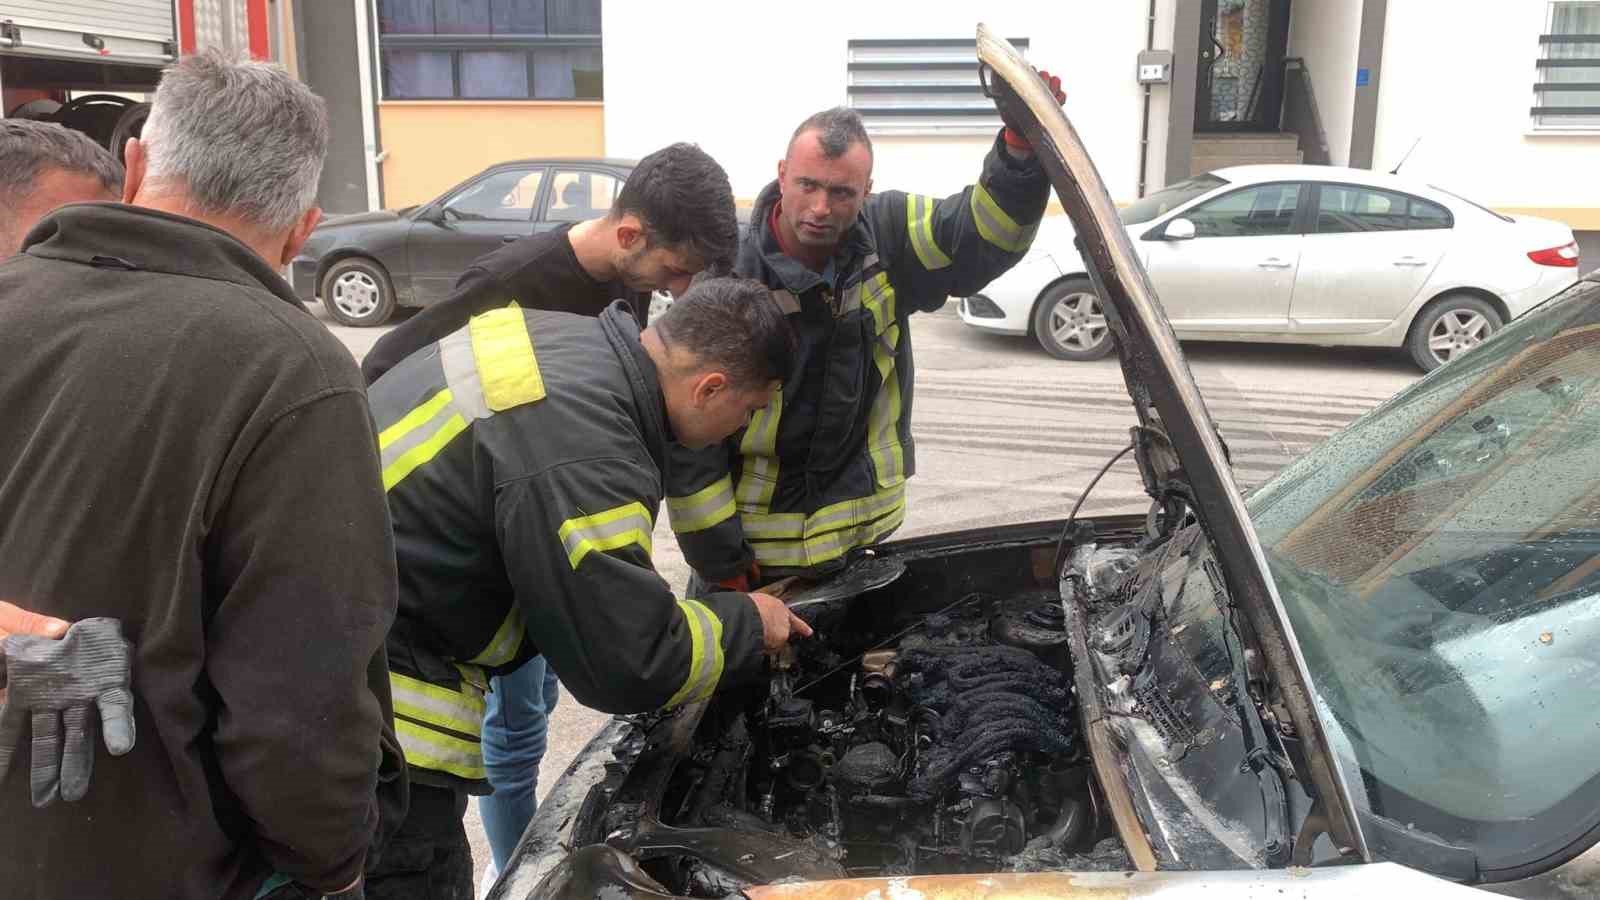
(1441,564)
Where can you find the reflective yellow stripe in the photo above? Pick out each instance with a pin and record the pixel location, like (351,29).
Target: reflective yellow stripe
(506,642)
(506,363)
(416,417)
(705,655)
(919,225)
(608,530)
(758,477)
(883,420)
(456,710)
(428,749)
(706,508)
(827,547)
(834,516)
(995,226)
(405,463)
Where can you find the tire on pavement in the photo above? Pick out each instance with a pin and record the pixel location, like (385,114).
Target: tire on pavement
(357,292)
(1449,327)
(1069,323)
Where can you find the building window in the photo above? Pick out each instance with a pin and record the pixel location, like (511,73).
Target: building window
(490,49)
(904,86)
(1567,93)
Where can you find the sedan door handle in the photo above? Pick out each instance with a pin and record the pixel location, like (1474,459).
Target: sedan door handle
(1272,262)
(1410,261)
(508,238)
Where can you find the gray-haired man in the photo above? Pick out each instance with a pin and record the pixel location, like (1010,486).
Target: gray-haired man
(187,450)
(44,165)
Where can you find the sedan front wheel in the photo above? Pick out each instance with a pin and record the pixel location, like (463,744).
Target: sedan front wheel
(357,292)
(1449,327)
(1069,322)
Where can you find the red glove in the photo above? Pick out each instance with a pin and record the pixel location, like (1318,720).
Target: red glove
(1013,135)
(744,581)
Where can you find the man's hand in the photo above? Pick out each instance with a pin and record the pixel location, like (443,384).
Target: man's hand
(1015,141)
(53,683)
(778,624)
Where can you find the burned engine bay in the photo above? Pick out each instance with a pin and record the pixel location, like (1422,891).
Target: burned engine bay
(930,727)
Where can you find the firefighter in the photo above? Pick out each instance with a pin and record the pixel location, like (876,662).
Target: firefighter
(822,470)
(522,456)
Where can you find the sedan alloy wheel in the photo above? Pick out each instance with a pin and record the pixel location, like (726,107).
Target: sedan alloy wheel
(1070,324)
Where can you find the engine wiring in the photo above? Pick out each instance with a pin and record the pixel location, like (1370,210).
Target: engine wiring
(1066,528)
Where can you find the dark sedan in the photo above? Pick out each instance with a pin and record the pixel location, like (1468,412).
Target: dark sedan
(363,266)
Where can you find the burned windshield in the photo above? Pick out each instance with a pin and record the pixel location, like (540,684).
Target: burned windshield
(1440,563)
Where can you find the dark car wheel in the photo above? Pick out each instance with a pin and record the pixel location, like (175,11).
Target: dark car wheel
(357,292)
(1069,322)
(1449,327)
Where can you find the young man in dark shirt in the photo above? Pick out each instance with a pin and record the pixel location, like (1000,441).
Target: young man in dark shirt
(673,218)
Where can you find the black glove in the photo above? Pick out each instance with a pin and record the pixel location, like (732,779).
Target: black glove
(55,682)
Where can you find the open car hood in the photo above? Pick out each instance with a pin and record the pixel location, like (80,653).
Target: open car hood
(1182,460)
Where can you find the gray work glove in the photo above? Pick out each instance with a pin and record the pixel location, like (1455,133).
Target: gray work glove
(53,683)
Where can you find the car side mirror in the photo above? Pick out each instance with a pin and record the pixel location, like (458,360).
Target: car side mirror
(1179,230)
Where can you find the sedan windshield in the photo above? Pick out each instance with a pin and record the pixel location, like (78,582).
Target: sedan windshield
(1440,564)
(1168,199)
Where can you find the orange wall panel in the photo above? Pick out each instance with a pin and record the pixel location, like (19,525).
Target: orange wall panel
(431,146)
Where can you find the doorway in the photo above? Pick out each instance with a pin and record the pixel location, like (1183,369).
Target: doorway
(1239,82)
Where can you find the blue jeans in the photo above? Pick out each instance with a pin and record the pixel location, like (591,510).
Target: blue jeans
(514,727)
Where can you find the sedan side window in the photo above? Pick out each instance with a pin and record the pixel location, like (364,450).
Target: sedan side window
(500,197)
(576,196)
(1266,209)
(1342,209)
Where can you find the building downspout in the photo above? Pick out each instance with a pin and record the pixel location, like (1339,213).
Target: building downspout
(1144,126)
(369,125)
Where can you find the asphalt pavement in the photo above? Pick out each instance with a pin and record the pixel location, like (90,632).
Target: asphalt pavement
(1006,434)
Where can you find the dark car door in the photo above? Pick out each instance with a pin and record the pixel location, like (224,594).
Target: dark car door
(493,209)
(578,193)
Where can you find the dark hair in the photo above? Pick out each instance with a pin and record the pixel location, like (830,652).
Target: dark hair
(836,129)
(685,200)
(28,147)
(734,325)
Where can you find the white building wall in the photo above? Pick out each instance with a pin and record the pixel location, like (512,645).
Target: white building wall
(1464,86)
(736,77)
(1326,34)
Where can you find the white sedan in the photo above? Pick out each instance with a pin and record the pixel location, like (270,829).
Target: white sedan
(1298,254)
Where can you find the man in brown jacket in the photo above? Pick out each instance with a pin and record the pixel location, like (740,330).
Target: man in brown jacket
(188,451)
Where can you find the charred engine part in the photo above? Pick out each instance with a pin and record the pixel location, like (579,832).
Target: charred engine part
(995,825)
(867,769)
(990,700)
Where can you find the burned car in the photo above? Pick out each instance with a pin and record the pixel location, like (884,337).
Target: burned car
(1377,675)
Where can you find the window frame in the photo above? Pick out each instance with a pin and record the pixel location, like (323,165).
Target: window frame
(1315,207)
(455,44)
(1542,87)
(549,188)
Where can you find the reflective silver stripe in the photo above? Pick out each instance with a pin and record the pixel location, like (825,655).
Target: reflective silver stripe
(830,546)
(706,658)
(461,373)
(428,749)
(919,225)
(705,508)
(756,483)
(456,710)
(506,641)
(420,433)
(995,226)
(609,530)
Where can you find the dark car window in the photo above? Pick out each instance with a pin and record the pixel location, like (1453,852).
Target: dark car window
(1343,208)
(1266,209)
(1169,198)
(506,196)
(577,195)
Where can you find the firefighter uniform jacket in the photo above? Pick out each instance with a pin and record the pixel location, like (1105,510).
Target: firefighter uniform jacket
(822,469)
(522,458)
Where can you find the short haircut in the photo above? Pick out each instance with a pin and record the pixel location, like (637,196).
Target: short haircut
(685,201)
(733,325)
(241,138)
(28,149)
(836,129)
